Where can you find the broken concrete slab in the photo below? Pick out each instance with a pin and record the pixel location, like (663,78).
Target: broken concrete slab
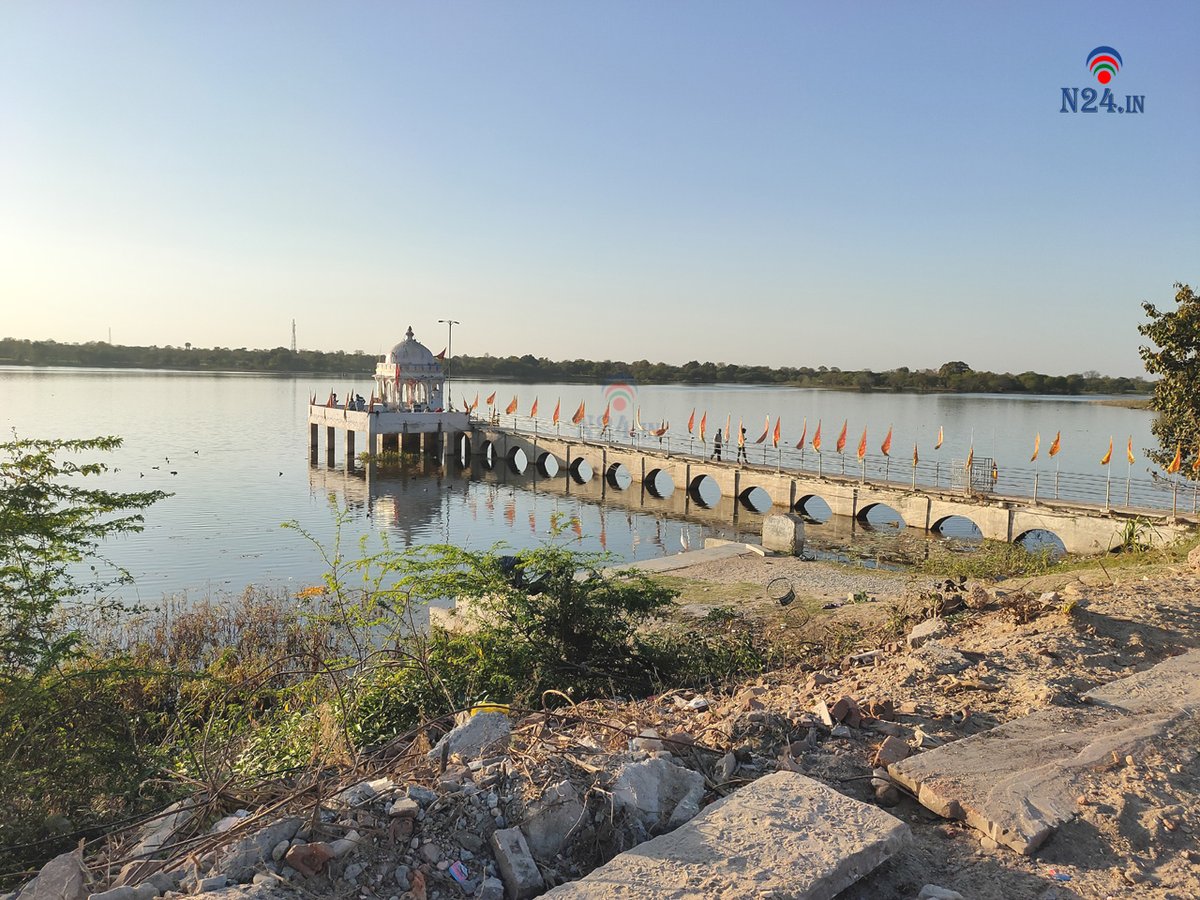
(784,835)
(520,873)
(552,819)
(63,878)
(1018,782)
(658,792)
(926,631)
(482,733)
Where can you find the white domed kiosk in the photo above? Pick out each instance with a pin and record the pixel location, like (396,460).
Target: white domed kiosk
(410,378)
(406,410)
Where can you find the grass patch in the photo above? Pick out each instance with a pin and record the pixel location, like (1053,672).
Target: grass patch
(991,561)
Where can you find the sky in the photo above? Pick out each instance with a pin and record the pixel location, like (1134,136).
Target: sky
(861,185)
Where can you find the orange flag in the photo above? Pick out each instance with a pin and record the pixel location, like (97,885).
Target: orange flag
(475,404)
(1037,445)
(886,446)
(1129,450)
(491,398)
(1177,461)
(604,419)
(557,410)
(703,425)
(862,445)
(775,437)
(728,427)
(659,432)
(803,434)
(578,417)
(817,437)
(533,409)
(938,445)
(916,459)
(766,430)
(1056,445)
(512,407)
(970,457)
(841,441)
(1196,464)
(1108,455)
(741,433)
(692,420)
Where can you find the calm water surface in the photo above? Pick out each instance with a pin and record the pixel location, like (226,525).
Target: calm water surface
(233,450)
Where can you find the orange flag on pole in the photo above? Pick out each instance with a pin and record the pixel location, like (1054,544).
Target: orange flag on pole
(803,434)
(766,430)
(1196,464)
(533,409)
(1056,445)
(886,446)
(557,410)
(1037,445)
(1177,461)
(841,441)
(862,445)
(941,437)
(728,427)
(1107,456)
(578,417)
(491,398)
(775,437)
(512,407)
(703,425)
(970,457)
(604,419)
(741,433)
(916,458)
(692,420)
(817,437)
(475,404)
(1129,450)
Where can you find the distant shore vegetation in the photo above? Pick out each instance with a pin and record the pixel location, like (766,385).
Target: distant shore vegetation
(954,376)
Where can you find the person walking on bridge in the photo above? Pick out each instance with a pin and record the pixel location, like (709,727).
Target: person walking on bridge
(716,454)
(741,454)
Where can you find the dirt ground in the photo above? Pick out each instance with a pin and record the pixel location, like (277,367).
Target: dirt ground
(1135,834)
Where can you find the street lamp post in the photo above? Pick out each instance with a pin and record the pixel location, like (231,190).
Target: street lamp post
(449,323)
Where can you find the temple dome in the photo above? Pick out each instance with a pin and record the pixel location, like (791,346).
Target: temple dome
(412,356)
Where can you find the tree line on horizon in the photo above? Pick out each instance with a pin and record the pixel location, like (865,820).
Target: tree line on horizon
(953,376)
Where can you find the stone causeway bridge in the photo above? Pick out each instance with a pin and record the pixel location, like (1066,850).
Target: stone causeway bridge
(676,477)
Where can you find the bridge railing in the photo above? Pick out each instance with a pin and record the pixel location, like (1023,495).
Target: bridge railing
(1115,490)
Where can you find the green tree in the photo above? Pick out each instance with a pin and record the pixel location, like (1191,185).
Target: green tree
(51,529)
(1175,358)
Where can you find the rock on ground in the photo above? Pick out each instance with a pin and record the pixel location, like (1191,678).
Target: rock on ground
(658,793)
(784,835)
(62,878)
(552,819)
(482,733)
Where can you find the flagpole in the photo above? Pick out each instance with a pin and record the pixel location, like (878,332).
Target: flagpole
(1128,475)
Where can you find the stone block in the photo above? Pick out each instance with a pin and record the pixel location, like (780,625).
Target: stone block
(783,533)
(783,835)
(241,859)
(482,733)
(658,793)
(929,630)
(63,878)
(160,832)
(517,868)
(552,819)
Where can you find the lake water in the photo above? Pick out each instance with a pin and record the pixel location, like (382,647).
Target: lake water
(233,450)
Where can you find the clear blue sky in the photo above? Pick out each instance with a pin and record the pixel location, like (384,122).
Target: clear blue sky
(868,184)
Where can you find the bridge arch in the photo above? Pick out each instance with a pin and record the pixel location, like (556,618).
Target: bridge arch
(581,470)
(547,464)
(813,507)
(956,525)
(705,491)
(755,499)
(487,454)
(517,460)
(880,515)
(618,476)
(1036,539)
(660,484)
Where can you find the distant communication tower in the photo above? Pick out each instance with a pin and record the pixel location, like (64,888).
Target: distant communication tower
(293,335)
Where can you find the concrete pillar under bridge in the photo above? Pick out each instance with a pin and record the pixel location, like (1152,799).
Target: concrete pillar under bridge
(1082,529)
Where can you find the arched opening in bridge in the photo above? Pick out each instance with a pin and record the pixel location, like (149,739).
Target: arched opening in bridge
(705,491)
(581,470)
(517,460)
(464,450)
(1039,540)
(660,484)
(618,476)
(488,452)
(547,464)
(958,528)
(880,517)
(755,499)
(813,509)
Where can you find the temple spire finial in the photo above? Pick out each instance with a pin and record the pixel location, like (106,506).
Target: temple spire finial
(409,334)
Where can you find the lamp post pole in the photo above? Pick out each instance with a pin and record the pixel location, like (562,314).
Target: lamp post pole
(449,323)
